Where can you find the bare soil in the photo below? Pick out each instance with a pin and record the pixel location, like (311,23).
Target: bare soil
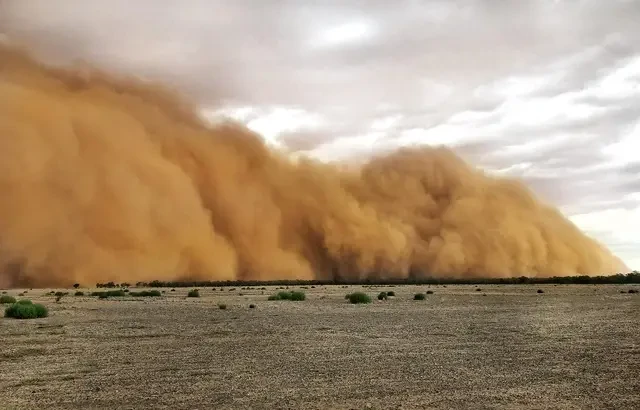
(503,347)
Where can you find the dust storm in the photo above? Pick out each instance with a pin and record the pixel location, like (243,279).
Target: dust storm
(105,178)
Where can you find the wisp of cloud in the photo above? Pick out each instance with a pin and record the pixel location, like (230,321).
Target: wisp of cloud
(111,179)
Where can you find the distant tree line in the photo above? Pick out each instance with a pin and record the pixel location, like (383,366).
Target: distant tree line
(620,278)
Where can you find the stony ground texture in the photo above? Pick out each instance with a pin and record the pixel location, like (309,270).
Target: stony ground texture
(502,347)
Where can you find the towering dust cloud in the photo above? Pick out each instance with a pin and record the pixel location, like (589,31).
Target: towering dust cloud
(105,179)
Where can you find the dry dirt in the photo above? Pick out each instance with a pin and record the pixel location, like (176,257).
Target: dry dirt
(504,347)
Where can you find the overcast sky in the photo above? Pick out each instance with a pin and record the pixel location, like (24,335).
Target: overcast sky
(544,90)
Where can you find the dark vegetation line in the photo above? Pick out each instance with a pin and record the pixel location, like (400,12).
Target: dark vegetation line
(633,277)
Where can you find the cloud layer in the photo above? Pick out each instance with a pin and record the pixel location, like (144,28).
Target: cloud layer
(547,91)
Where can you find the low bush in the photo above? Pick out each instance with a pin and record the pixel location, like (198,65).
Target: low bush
(419,296)
(24,302)
(109,293)
(478,290)
(79,293)
(359,297)
(391,293)
(222,306)
(429,292)
(193,293)
(26,311)
(146,293)
(382,296)
(540,291)
(633,291)
(7,299)
(291,295)
(252,306)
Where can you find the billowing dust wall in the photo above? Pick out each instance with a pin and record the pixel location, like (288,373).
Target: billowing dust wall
(108,179)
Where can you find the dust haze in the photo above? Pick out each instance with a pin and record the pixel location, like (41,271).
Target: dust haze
(105,178)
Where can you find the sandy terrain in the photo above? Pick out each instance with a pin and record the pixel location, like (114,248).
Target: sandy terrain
(506,347)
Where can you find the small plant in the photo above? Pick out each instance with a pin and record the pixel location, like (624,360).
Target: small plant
(419,296)
(478,290)
(429,292)
(146,293)
(78,293)
(252,306)
(173,290)
(292,295)
(540,291)
(359,297)
(61,294)
(222,306)
(24,302)
(391,293)
(76,285)
(382,296)
(7,299)
(633,291)
(109,293)
(193,293)
(26,311)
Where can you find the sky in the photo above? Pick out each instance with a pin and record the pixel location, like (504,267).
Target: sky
(546,91)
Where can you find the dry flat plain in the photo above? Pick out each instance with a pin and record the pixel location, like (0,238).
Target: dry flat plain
(505,347)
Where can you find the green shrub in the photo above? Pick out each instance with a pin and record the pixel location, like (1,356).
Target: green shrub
(146,293)
(109,293)
(391,293)
(7,299)
(78,293)
(26,311)
(382,296)
(291,295)
(359,297)
(24,302)
(347,296)
(222,306)
(419,296)
(193,293)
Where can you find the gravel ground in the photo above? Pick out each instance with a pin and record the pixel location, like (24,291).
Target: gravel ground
(503,347)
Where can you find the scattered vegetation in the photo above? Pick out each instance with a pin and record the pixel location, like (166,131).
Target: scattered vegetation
(193,293)
(382,296)
(7,299)
(146,293)
(26,311)
(289,295)
(419,296)
(358,297)
(61,294)
(632,277)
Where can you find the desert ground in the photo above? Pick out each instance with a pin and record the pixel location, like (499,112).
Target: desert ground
(501,347)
